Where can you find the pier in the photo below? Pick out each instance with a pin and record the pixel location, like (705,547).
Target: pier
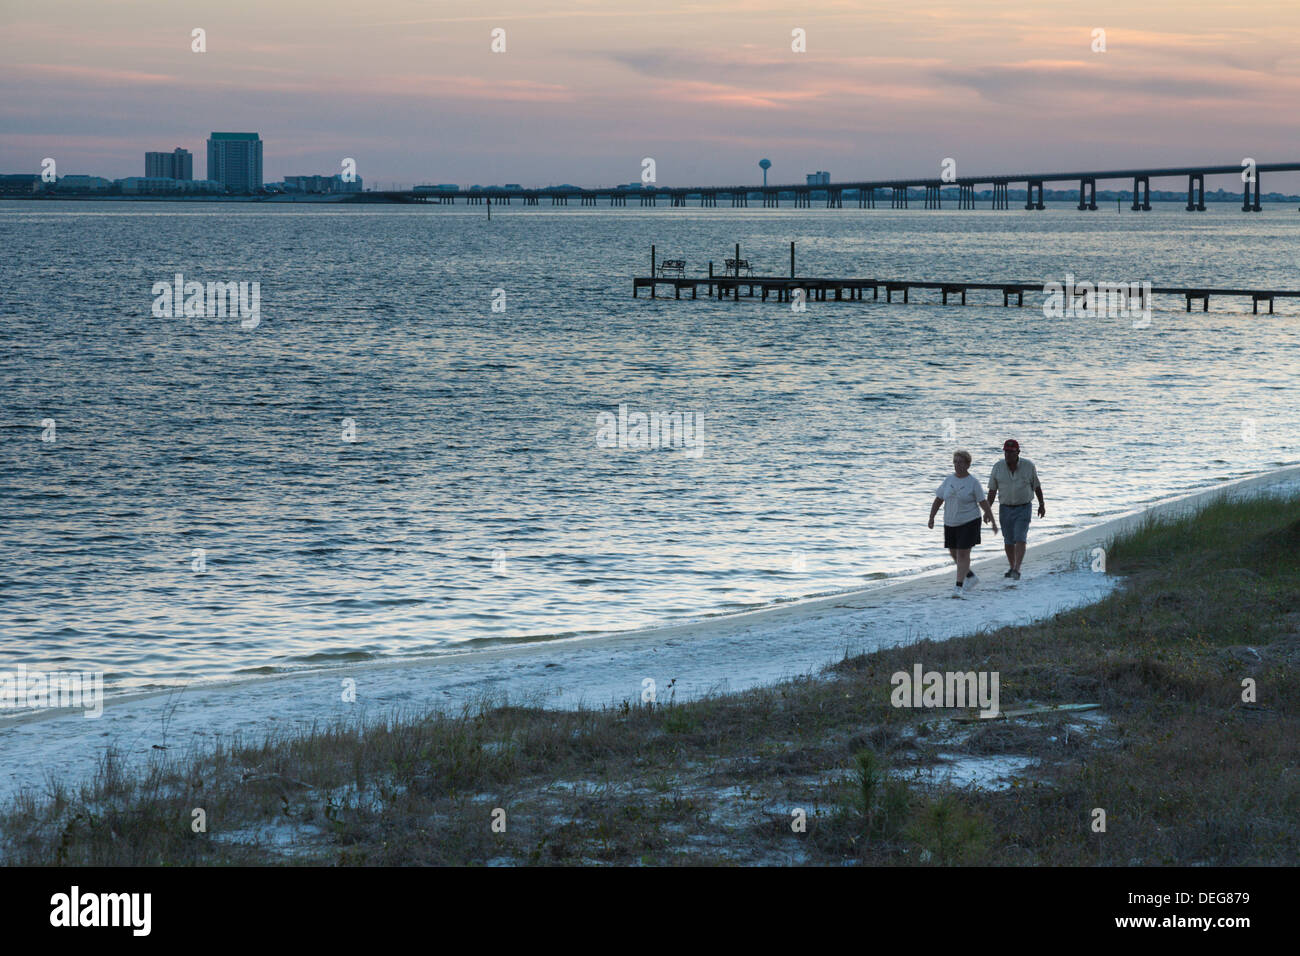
(898,192)
(734,285)
(823,289)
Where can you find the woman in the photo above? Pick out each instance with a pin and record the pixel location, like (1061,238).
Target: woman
(962,498)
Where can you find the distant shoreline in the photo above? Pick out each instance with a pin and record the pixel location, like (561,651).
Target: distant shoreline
(346,198)
(382,199)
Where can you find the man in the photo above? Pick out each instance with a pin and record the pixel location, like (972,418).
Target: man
(1017,479)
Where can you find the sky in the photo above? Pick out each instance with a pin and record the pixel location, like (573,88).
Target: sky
(584,90)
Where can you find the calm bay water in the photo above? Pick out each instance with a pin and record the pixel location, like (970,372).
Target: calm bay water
(824,431)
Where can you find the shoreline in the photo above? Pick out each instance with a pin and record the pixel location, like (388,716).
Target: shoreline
(726,653)
(708,622)
(381,199)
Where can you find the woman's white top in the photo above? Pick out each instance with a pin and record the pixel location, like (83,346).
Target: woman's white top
(961,498)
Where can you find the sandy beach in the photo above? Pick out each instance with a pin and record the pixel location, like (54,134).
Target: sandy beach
(685,661)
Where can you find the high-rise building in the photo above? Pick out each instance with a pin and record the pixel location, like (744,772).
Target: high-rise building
(819,178)
(235,161)
(178,164)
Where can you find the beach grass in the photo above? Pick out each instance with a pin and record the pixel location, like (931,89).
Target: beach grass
(1182,764)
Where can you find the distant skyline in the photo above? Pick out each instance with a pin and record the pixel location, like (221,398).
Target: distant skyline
(585,90)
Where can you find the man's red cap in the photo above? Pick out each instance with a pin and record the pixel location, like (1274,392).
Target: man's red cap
(1011,445)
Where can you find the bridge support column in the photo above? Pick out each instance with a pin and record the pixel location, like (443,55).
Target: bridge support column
(1000,200)
(833,199)
(1030,201)
(867,198)
(1196,192)
(771,199)
(1246,204)
(900,197)
(1141,193)
(1087,194)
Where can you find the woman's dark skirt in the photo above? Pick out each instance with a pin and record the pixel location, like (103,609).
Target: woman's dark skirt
(962,537)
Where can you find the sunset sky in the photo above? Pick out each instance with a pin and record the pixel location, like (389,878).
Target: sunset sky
(586,89)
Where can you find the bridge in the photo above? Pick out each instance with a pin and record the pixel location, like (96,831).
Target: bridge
(897,192)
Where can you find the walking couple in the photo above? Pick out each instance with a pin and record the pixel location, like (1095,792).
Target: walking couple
(963,499)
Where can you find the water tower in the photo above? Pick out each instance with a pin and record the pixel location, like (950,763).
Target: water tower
(765,165)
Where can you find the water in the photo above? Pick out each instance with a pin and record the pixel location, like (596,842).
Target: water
(824,432)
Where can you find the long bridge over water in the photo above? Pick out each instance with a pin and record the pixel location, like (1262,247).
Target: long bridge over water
(896,192)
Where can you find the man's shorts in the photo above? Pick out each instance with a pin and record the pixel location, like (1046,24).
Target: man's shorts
(1015,522)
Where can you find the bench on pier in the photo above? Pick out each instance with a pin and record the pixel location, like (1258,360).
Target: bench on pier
(675,267)
(734,266)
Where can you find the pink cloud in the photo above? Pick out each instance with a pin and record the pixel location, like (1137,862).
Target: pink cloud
(94,74)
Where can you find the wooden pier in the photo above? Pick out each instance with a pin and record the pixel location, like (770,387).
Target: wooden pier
(825,289)
(730,284)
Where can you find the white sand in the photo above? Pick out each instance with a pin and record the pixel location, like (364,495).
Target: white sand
(722,653)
